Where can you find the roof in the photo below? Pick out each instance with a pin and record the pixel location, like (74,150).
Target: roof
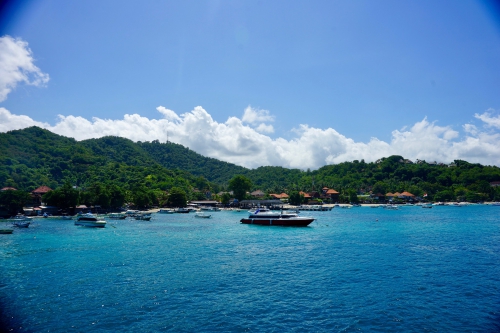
(258,192)
(304,194)
(8,188)
(331,191)
(42,189)
(389,194)
(407,194)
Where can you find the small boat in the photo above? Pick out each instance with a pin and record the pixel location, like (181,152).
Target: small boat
(166,211)
(391,207)
(182,210)
(266,217)
(6,231)
(90,220)
(143,217)
(202,215)
(116,216)
(427,205)
(21,224)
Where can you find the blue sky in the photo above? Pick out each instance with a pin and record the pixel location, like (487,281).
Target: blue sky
(293,83)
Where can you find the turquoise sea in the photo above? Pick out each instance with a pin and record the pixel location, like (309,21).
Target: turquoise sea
(359,269)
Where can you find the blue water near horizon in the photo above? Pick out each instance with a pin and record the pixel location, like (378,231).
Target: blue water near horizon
(359,269)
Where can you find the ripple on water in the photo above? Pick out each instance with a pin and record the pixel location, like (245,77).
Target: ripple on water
(412,270)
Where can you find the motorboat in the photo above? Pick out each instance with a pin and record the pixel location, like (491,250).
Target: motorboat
(266,217)
(143,217)
(166,211)
(6,231)
(21,224)
(181,210)
(202,215)
(90,220)
(116,216)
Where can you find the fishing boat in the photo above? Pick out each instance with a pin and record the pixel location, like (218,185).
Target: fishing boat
(90,220)
(202,215)
(266,217)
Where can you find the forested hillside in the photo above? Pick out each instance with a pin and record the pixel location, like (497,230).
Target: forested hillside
(32,157)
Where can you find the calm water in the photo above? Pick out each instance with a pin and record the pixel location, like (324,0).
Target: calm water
(413,270)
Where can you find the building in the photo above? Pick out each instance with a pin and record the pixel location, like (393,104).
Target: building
(258,194)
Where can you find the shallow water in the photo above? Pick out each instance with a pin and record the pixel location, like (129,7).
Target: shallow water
(358,269)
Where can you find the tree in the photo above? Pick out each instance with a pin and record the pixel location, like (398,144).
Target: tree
(225,198)
(13,201)
(177,197)
(63,197)
(295,198)
(240,185)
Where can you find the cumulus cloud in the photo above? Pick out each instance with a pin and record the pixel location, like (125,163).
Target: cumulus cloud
(252,115)
(17,65)
(490,120)
(237,142)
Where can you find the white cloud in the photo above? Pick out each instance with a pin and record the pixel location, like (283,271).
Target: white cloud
(488,119)
(263,128)
(252,116)
(17,65)
(236,142)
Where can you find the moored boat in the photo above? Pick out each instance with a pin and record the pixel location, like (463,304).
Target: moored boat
(116,216)
(265,217)
(143,217)
(166,211)
(21,224)
(90,220)
(202,215)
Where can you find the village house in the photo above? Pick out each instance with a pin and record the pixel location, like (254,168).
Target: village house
(258,194)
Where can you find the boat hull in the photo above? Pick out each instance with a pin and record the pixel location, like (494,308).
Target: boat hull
(290,222)
(91,224)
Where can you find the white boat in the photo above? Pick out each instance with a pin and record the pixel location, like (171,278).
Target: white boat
(391,207)
(166,211)
(90,220)
(266,217)
(202,215)
(495,203)
(181,210)
(116,216)
(427,205)
(319,208)
(143,217)
(21,224)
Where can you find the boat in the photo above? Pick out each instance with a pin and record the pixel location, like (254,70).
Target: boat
(495,203)
(21,224)
(391,207)
(181,210)
(116,216)
(90,220)
(319,208)
(428,205)
(143,217)
(266,217)
(6,231)
(166,211)
(21,218)
(202,215)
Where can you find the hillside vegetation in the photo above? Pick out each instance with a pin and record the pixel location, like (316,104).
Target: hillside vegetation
(33,156)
